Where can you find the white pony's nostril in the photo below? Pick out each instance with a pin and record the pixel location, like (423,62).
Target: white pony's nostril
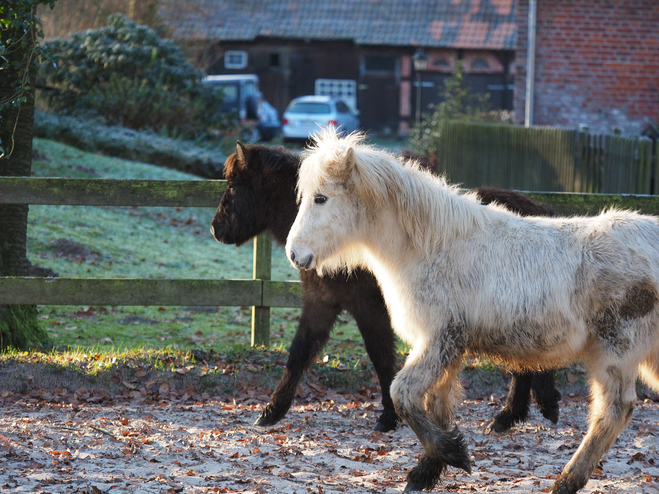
(292,256)
(306,262)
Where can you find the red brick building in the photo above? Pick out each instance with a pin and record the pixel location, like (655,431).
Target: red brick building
(596,64)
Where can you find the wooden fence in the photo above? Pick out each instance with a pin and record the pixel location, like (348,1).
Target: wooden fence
(544,158)
(260,292)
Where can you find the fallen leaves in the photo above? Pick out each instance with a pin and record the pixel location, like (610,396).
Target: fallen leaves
(163,441)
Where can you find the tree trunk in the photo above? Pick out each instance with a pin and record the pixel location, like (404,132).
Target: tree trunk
(18,324)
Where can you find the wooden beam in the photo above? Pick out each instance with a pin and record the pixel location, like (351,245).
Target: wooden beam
(282,293)
(262,270)
(591,204)
(121,291)
(110,192)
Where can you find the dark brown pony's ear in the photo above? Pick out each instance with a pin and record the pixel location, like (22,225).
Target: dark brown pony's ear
(241,154)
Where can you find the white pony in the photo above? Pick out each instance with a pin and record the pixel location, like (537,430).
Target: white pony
(461,277)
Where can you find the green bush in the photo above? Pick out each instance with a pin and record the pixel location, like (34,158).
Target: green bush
(145,146)
(460,103)
(128,75)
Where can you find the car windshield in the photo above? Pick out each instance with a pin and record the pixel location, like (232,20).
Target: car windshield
(309,107)
(230,93)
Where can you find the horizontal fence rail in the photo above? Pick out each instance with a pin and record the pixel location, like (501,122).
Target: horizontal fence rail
(570,203)
(109,192)
(260,292)
(127,291)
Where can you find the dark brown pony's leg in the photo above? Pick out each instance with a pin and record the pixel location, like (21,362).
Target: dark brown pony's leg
(546,395)
(374,325)
(517,402)
(522,385)
(312,334)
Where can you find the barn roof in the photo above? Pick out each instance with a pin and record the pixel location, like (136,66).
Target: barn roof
(479,24)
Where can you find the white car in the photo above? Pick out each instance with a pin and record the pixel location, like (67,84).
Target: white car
(307,115)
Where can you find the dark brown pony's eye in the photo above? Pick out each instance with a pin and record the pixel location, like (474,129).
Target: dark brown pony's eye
(319,199)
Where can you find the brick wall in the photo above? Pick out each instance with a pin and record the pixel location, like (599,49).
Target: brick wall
(597,63)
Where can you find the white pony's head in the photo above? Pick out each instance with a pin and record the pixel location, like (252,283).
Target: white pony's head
(328,215)
(343,186)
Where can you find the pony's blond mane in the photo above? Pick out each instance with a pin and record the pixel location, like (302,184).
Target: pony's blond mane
(380,178)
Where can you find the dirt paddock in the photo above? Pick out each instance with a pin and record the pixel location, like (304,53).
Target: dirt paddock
(325,447)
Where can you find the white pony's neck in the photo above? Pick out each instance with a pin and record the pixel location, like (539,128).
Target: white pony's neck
(411,208)
(409,215)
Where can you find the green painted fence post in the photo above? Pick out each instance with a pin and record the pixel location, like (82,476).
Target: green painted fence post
(262,271)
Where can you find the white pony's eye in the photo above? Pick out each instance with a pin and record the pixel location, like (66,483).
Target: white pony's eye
(319,199)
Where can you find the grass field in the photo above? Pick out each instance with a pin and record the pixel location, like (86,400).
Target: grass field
(128,242)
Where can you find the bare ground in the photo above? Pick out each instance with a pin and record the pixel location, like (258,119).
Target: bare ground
(137,446)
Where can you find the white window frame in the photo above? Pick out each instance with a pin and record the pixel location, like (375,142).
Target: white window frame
(230,64)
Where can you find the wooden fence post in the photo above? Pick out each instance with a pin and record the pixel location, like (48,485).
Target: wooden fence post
(262,271)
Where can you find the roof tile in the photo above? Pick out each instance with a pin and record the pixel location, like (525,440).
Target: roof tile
(430,23)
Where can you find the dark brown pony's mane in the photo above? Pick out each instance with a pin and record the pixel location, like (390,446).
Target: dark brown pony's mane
(267,160)
(230,166)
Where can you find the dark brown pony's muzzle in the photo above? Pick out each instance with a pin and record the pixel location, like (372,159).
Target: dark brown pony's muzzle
(220,232)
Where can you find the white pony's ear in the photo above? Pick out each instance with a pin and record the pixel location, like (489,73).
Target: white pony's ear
(345,164)
(349,157)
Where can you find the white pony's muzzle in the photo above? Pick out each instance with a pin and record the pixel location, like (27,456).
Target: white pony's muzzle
(300,259)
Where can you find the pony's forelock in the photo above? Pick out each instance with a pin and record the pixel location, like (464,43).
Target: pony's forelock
(231,165)
(327,146)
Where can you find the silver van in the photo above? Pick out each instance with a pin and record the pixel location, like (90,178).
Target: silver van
(260,120)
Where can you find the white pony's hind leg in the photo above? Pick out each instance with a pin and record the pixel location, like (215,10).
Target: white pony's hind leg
(649,371)
(614,395)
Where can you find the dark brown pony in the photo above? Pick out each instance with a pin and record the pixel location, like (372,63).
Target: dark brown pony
(260,196)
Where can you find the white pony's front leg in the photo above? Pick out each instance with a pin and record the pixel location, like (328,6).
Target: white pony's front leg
(423,395)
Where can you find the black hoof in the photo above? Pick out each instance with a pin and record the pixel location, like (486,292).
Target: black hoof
(562,487)
(269,417)
(388,421)
(425,475)
(550,411)
(454,452)
(501,422)
(547,400)
(263,421)
(462,462)
(412,487)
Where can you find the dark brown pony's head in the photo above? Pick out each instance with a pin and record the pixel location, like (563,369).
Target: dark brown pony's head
(260,194)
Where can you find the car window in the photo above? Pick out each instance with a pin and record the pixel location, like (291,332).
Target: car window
(341,107)
(230,93)
(309,107)
(250,88)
